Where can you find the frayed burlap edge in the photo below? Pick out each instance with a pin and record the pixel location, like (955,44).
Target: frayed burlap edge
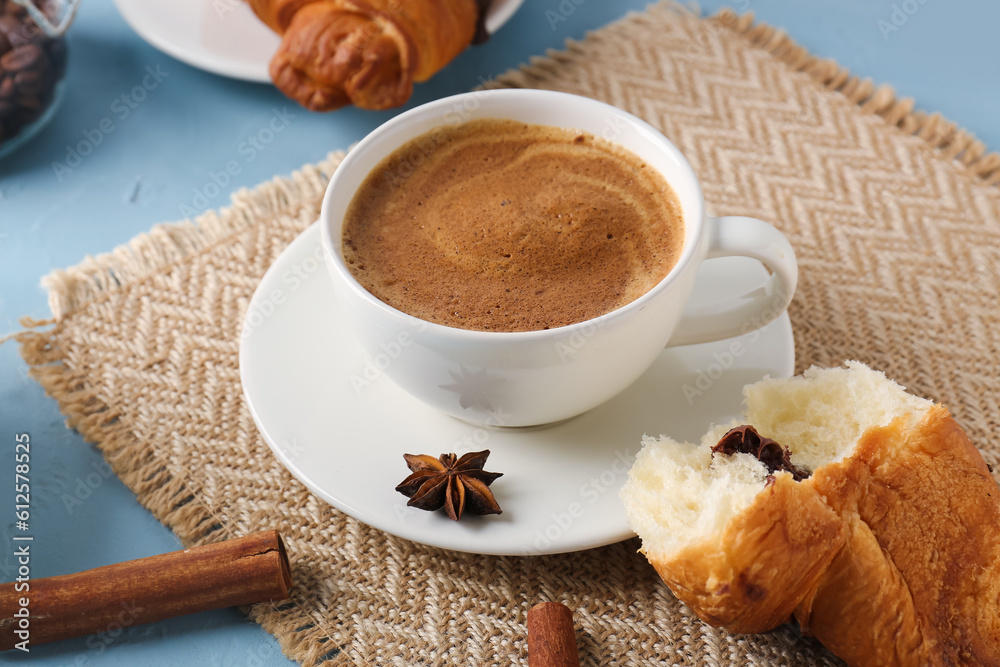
(169,243)
(168,498)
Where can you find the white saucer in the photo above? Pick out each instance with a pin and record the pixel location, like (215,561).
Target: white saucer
(345,440)
(224,36)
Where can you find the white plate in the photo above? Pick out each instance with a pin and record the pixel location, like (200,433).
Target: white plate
(224,36)
(304,381)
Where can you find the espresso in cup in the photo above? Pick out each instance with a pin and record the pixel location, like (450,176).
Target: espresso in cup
(428,230)
(499,225)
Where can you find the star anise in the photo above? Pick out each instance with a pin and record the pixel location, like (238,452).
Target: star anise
(455,483)
(745,439)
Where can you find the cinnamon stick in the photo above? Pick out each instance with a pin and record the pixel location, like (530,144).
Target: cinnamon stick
(240,571)
(551,637)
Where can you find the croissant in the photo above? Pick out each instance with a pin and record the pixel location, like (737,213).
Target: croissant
(859,510)
(363,52)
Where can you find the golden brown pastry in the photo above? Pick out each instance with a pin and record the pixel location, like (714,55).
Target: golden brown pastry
(888,553)
(363,52)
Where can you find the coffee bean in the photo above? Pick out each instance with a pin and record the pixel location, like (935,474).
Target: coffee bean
(33,81)
(28,101)
(15,10)
(31,64)
(10,25)
(28,34)
(20,32)
(6,88)
(33,74)
(22,58)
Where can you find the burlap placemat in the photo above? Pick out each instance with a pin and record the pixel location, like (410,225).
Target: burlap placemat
(894,216)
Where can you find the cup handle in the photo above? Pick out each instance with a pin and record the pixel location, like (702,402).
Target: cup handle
(746,237)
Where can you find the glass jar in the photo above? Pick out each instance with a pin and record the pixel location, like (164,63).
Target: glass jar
(32,65)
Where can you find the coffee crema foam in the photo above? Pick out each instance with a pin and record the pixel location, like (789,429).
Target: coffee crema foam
(497,225)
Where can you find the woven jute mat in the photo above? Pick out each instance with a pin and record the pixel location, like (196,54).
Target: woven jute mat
(894,216)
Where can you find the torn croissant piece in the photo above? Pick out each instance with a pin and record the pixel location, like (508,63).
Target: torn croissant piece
(363,52)
(888,552)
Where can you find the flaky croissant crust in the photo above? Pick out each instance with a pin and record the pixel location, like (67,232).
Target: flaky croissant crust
(363,52)
(890,557)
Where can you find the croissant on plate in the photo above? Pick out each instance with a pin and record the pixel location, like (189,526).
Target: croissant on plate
(862,511)
(364,52)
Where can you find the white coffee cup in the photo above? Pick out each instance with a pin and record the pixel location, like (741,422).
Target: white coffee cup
(537,377)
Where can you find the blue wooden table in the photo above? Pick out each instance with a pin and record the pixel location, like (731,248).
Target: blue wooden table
(154,167)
